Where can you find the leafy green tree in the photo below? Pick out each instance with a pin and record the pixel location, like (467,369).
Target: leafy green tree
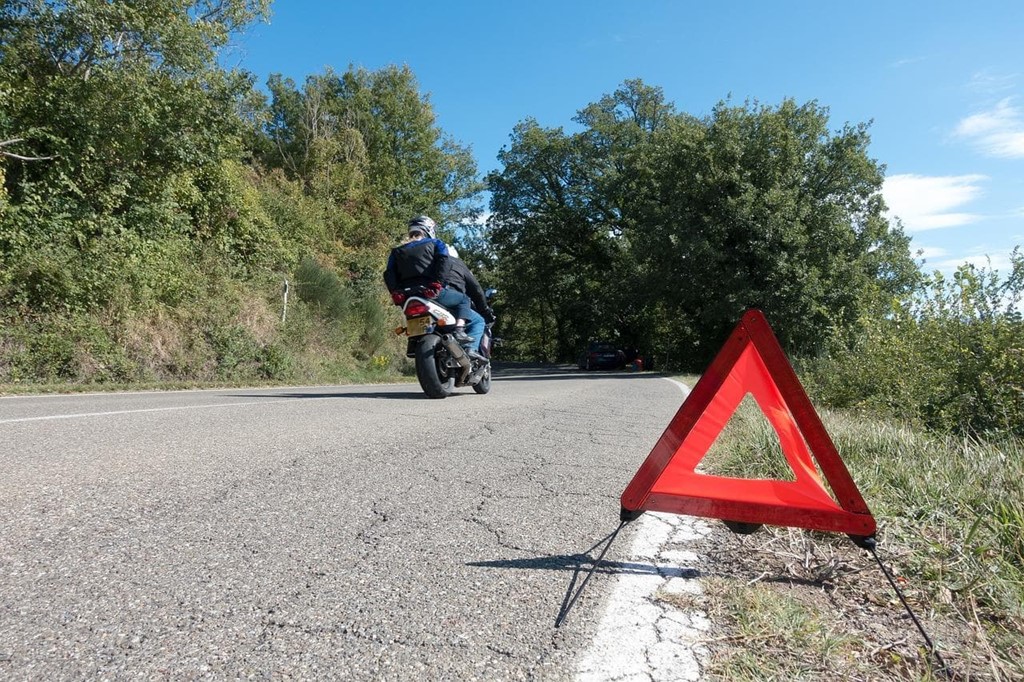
(148,193)
(949,356)
(619,141)
(126,102)
(549,238)
(766,207)
(347,160)
(369,142)
(660,228)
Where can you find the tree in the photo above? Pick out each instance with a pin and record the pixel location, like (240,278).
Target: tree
(765,207)
(143,186)
(621,131)
(369,141)
(660,228)
(553,246)
(948,356)
(348,159)
(136,119)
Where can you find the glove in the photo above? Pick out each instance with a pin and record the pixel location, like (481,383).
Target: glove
(432,290)
(488,316)
(398,297)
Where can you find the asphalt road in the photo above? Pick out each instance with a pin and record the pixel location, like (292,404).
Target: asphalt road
(344,532)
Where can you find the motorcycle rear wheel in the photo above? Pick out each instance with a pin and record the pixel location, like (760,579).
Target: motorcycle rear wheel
(430,370)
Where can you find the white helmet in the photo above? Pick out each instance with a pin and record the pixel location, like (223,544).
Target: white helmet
(424,225)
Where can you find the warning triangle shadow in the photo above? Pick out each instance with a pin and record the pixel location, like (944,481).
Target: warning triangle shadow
(579,562)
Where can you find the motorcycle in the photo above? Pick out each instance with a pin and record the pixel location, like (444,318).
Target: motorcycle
(442,364)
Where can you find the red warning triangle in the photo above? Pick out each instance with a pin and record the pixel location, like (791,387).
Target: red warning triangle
(750,362)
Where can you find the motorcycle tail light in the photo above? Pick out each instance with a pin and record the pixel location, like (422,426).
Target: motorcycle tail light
(415,309)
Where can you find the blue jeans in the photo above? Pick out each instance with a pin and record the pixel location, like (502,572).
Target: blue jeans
(459,304)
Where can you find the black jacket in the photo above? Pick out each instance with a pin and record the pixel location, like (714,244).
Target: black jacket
(462,278)
(418,263)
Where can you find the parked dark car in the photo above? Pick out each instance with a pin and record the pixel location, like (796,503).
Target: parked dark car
(601,355)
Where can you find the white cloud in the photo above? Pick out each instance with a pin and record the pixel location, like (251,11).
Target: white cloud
(481,219)
(988,261)
(991,83)
(931,252)
(982,256)
(998,131)
(926,202)
(899,63)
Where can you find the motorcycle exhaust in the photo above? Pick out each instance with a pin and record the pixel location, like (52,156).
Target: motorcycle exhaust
(458,354)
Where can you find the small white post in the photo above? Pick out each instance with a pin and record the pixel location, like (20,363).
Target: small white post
(284,312)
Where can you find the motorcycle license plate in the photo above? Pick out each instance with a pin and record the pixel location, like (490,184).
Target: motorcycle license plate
(417,326)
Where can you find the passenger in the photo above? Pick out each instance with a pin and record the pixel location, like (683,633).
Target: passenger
(462,279)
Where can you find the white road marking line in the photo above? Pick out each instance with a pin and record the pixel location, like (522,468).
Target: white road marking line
(639,636)
(148,409)
(56,396)
(682,387)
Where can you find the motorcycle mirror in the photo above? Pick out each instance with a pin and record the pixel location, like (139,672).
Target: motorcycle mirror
(490,293)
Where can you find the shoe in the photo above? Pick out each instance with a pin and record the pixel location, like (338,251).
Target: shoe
(461,336)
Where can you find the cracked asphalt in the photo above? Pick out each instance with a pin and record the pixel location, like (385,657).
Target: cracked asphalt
(348,532)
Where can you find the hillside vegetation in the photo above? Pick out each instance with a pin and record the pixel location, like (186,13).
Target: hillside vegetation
(153,203)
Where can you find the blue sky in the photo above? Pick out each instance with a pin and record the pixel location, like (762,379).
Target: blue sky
(942,82)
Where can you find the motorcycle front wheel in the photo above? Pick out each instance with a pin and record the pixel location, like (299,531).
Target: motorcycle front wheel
(430,370)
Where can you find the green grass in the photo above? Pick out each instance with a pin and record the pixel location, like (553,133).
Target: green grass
(779,637)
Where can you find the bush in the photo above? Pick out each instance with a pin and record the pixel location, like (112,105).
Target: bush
(78,349)
(321,287)
(950,358)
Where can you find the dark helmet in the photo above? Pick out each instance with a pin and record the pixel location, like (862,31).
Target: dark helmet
(424,225)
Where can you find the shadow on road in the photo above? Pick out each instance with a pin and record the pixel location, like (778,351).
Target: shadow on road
(405,395)
(501,372)
(578,562)
(538,372)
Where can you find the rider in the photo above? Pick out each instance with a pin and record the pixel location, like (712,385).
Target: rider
(462,279)
(422,260)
